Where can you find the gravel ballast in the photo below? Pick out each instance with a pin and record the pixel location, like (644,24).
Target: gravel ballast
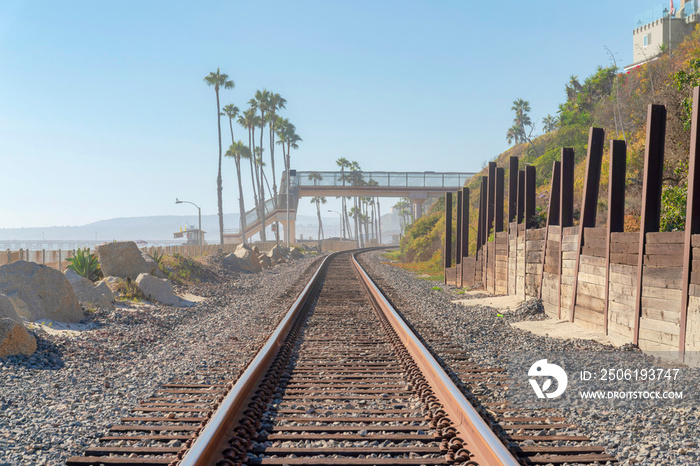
(55,403)
(660,435)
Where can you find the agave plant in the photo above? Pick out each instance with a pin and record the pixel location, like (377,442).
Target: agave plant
(85,264)
(157,256)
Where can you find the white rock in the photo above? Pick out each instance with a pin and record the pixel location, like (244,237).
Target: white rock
(122,259)
(89,294)
(157,289)
(39,292)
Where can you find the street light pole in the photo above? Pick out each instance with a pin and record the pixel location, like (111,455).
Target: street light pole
(201,239)
(340,225)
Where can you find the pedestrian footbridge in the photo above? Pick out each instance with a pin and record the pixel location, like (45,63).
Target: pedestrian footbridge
(416,186)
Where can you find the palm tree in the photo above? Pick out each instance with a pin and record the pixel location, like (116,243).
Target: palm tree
(522,119)
(219,80)
(261,102)
(344,163)
(275,102)
(248,121)
(318,200)
(550,123)
(236,150)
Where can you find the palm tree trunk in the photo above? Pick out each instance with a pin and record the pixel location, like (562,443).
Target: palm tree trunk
(357,226)
(263,235)
(241,203)
(219,185)
(379,218)
(318,214)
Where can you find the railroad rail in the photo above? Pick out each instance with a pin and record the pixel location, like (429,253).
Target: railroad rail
(342,380)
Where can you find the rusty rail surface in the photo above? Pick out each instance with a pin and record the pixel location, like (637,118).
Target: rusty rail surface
(209,443)
(467,421)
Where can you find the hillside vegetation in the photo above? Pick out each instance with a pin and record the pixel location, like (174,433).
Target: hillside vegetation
(609,99)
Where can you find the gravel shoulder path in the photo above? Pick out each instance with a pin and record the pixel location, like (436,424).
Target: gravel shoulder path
(74,388)
(660,435)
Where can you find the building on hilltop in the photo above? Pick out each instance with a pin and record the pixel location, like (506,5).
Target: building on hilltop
(659,28)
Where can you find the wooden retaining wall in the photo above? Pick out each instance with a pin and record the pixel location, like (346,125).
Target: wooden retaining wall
(637,287)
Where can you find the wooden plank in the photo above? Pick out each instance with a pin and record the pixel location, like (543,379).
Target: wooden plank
(694,290)
(663,248)
(569,246)
(659,331)
(624,259)
(661,315)
(669,294)
(595,251)
(624,248)
(663,277)
(599,233)
(588,315)
(626,237)
(695,239)
(590,302)
(591,260)
(663,260)
(623,331)
(666,237)
(591,289)
(623,269)
(618,280)
(535,234)
(595,279)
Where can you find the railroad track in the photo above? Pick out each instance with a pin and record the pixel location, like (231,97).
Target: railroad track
(343,380)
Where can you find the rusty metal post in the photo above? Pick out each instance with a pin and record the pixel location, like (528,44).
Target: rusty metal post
(692,217)
(480,221)
(447,256)
(566,206)
(651,194)
(529,205)
(513,189)
(566,209)
(458,246)
(521,196)
(465,222)
(491,199)
(616,209)
(530,194)
(552,214)
(499,199)
(589,204)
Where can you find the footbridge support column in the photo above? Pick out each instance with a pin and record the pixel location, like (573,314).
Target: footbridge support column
(418,199)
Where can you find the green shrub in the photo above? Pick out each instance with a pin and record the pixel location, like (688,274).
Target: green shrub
(85,264)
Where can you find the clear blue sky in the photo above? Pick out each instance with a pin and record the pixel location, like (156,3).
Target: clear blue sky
(104,112)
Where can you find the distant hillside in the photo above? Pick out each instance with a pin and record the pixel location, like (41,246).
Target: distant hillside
(152,228)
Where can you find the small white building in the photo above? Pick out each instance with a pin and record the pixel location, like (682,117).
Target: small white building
(660,28)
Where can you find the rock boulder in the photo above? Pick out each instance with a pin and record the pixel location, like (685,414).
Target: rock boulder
(89,294)
(157,289)
(122,259)
(150,261)
(39,292)
(295,253)
(265,261)
(247,259)
(15,339)
(7,310)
